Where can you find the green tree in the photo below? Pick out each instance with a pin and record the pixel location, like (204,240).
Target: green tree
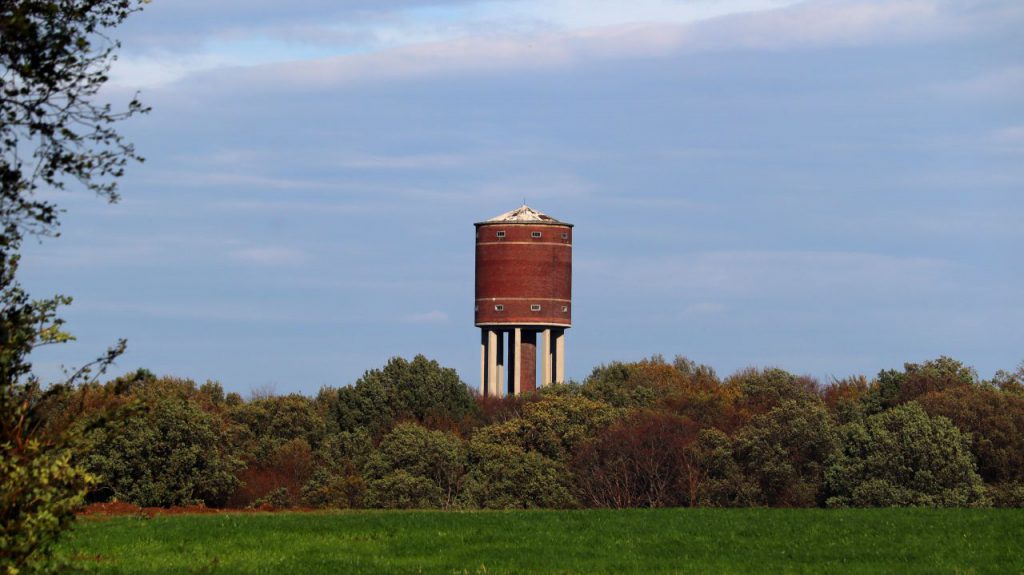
(554,426)
(165,451)
(508,477)
(337,479)
(414,467)
(994,421)
(54,57)
(783,453)
(892,387)
(903,457)
(419,390)
(39,486)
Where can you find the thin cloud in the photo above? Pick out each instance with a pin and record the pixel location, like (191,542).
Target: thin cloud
(270,256)
(802,26)
(430,317)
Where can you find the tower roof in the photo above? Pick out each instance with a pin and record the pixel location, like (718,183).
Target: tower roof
(524,214)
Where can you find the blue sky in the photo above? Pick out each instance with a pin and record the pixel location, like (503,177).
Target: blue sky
(833,187)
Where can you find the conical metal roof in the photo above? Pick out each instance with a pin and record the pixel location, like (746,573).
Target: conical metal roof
(524,214)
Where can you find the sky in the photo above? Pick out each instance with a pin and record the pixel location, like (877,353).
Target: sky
(832,187)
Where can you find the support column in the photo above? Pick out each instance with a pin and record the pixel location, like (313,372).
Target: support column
(515,351)
(492,363)
(483,362)
(545,364)
(559,356)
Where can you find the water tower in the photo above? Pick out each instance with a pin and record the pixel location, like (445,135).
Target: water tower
(523,293)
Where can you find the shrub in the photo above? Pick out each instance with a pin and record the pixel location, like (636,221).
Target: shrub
(507,477)
(643,461)
(903,457)
(783,453)
(415,467)
(419,390)
(553,426)
(993,419)
(166,452)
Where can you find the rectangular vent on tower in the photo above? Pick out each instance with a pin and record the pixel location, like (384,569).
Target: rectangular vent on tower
(534,307)
(499,307)
(500,234)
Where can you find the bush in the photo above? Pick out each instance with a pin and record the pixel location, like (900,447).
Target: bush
(415,467)
(643,461)
(507,477)
(903,457)
(553,426)
(1007,494)
(419,390)
(39,492)
(334,489)
(166,452)
(995,422)
(783,453)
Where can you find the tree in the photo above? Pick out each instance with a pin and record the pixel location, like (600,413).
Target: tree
(54,59)
(783,453)
(645,460)
(414,467)
(994,421)
(903,457)
(419,390)
(39,486)
(166,451)
(554,426)
(508,477)
(892,387)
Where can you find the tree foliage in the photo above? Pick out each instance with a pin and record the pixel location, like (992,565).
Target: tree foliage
(993,419)
(783,453)
(419,390)
(54,59)
(553,427)
(39,486)
(645,460)
(414,467)
(509,477)
(166,451)
(903,457)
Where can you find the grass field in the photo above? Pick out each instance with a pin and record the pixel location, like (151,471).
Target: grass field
(598,541)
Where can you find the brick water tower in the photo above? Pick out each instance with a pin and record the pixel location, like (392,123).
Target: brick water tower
(523,293)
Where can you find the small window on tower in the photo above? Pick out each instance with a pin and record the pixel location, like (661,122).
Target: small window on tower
(565,309)
(534,307)
(501,234)
(565,236)
(535,234)
(499,307)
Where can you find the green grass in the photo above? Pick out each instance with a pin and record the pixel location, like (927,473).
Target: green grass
(598,541)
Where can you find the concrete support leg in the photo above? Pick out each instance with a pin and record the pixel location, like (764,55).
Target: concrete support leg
(483,362)
(493,380)
(545,364)
(528,362)
(515,352)
(559,360)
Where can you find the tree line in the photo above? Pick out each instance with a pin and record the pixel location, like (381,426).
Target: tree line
(650,433)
